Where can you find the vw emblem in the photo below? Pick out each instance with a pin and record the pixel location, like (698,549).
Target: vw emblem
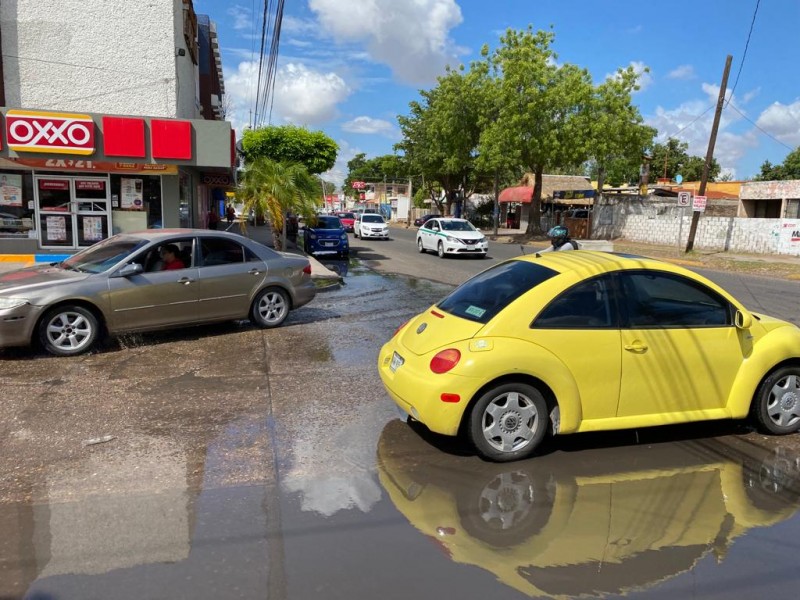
(421,328)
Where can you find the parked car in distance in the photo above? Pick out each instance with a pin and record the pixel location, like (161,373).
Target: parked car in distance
(348,220)
(568,342)
(451,236)
(419,221)
(159,279)
(326,236)
(370,225)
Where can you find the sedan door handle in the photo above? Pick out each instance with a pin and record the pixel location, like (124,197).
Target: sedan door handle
(254,272)
(185,280)
(636,346)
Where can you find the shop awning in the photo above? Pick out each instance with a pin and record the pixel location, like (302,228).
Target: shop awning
(521,194)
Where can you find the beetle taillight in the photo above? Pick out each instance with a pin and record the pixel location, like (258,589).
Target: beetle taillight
(445,360)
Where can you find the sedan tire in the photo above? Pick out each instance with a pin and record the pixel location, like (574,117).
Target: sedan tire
(440,250)
(68,330)
(270,308)
(776,406)
(420,246)
(508,422)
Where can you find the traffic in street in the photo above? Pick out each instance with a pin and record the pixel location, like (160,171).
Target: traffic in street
(222,457)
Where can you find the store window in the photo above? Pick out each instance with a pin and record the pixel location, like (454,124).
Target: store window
(184,208)
(17,218)
(136,202)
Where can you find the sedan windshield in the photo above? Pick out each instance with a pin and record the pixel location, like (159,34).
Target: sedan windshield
(328,223)
(486,294)
(372,219)
(457,226)
(346,216)
(103,255)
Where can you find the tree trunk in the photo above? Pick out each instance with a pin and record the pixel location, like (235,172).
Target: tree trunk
(535,216)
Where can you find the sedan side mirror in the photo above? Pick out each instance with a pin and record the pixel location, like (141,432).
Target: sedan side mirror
(130,269)
(743,320)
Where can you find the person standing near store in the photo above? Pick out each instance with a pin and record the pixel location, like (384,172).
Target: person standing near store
(213,218)
(230,213)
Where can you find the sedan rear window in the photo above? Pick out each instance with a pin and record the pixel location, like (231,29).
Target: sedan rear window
(372,219)
(486,294)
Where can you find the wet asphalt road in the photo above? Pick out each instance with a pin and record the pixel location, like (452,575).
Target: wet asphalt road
(270,464)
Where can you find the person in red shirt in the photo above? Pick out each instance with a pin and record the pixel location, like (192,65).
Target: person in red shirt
(172,261)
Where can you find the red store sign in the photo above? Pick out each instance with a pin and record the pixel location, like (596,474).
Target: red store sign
(84,185)
(53,184)
(47,132)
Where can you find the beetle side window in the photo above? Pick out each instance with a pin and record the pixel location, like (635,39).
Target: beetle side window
(586,305)
(654,300)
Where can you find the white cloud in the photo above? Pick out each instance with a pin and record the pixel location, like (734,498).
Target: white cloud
(782,121)
(241,17)
(412,38)
(682,72)
(682,122)
(303,96)
(339,171)
(645,79)
(368,125)
(307,97)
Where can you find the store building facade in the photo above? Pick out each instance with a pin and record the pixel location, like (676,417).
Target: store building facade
(102,126)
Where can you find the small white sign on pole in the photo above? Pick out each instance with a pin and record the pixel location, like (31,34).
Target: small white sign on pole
(684,198)
(699,204)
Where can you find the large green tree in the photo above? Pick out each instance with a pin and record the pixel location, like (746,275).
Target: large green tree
(619,136)
(291,144)
(788,169)
(441,134)
(272,188)
(672,159)
(387,167)
(544,114)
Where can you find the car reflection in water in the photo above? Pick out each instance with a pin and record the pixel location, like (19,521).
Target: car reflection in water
(337,265)
(602,521)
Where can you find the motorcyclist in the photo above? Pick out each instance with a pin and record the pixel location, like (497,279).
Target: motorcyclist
(560,240)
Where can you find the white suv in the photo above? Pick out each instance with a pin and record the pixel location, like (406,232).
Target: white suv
(369,225)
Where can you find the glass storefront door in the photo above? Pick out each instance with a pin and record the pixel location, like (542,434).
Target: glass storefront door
(73,212)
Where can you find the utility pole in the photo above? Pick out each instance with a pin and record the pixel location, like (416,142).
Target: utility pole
(710,153)
(496,209)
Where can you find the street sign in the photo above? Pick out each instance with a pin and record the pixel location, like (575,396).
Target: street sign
(679,178)
(699,204)
(684,198)
(359,185)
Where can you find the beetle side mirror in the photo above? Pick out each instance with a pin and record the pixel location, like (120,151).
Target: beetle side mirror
(743,320)
(129,270)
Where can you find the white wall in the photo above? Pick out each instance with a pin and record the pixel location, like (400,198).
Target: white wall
(102,56)
(661,223)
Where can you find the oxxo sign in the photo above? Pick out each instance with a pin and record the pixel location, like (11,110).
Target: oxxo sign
(46,132)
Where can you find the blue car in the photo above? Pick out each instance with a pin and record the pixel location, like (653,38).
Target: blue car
(326,236)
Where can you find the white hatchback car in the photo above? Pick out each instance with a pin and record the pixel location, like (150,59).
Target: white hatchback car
(451,236)
(369,225)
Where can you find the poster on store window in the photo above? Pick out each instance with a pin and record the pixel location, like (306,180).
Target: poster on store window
(10,190)
(132,192)
(56,229)
(92,229)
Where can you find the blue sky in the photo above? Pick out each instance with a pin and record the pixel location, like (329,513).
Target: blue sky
(349,67)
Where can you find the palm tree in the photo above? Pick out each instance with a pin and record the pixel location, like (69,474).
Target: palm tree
(273,189)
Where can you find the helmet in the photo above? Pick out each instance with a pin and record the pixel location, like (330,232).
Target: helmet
(559,231)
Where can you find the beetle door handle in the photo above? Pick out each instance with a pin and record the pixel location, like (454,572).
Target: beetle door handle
(636,346)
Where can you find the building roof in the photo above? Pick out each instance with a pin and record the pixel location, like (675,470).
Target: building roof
(550,183)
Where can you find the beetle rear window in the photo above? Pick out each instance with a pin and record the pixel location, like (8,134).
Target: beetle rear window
(486,294)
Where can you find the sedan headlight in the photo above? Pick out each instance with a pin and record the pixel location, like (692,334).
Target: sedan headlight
(344,236)
(450,238)
(6,303)
(312,236)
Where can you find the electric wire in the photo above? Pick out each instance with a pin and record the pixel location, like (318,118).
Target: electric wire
(754,124)
(260,62)
(744,54)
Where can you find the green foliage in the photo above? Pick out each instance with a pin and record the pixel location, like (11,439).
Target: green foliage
(672,158)
(288,143)
(788,169)
(274,189)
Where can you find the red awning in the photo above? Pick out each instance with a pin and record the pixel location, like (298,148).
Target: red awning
(521,194)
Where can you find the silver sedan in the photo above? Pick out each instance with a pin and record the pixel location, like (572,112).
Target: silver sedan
(151,280)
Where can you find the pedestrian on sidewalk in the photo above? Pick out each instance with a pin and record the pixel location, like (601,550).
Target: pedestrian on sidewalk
(213,218)
(230,213)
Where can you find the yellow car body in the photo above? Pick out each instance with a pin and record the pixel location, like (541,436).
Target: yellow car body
(593,378)
(563,528)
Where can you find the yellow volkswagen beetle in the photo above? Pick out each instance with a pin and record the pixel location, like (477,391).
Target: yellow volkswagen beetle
(589,341)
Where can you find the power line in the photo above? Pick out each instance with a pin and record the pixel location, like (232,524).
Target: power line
(68,64)
(769,135)
(744,54)
(696,119)
(260,63)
